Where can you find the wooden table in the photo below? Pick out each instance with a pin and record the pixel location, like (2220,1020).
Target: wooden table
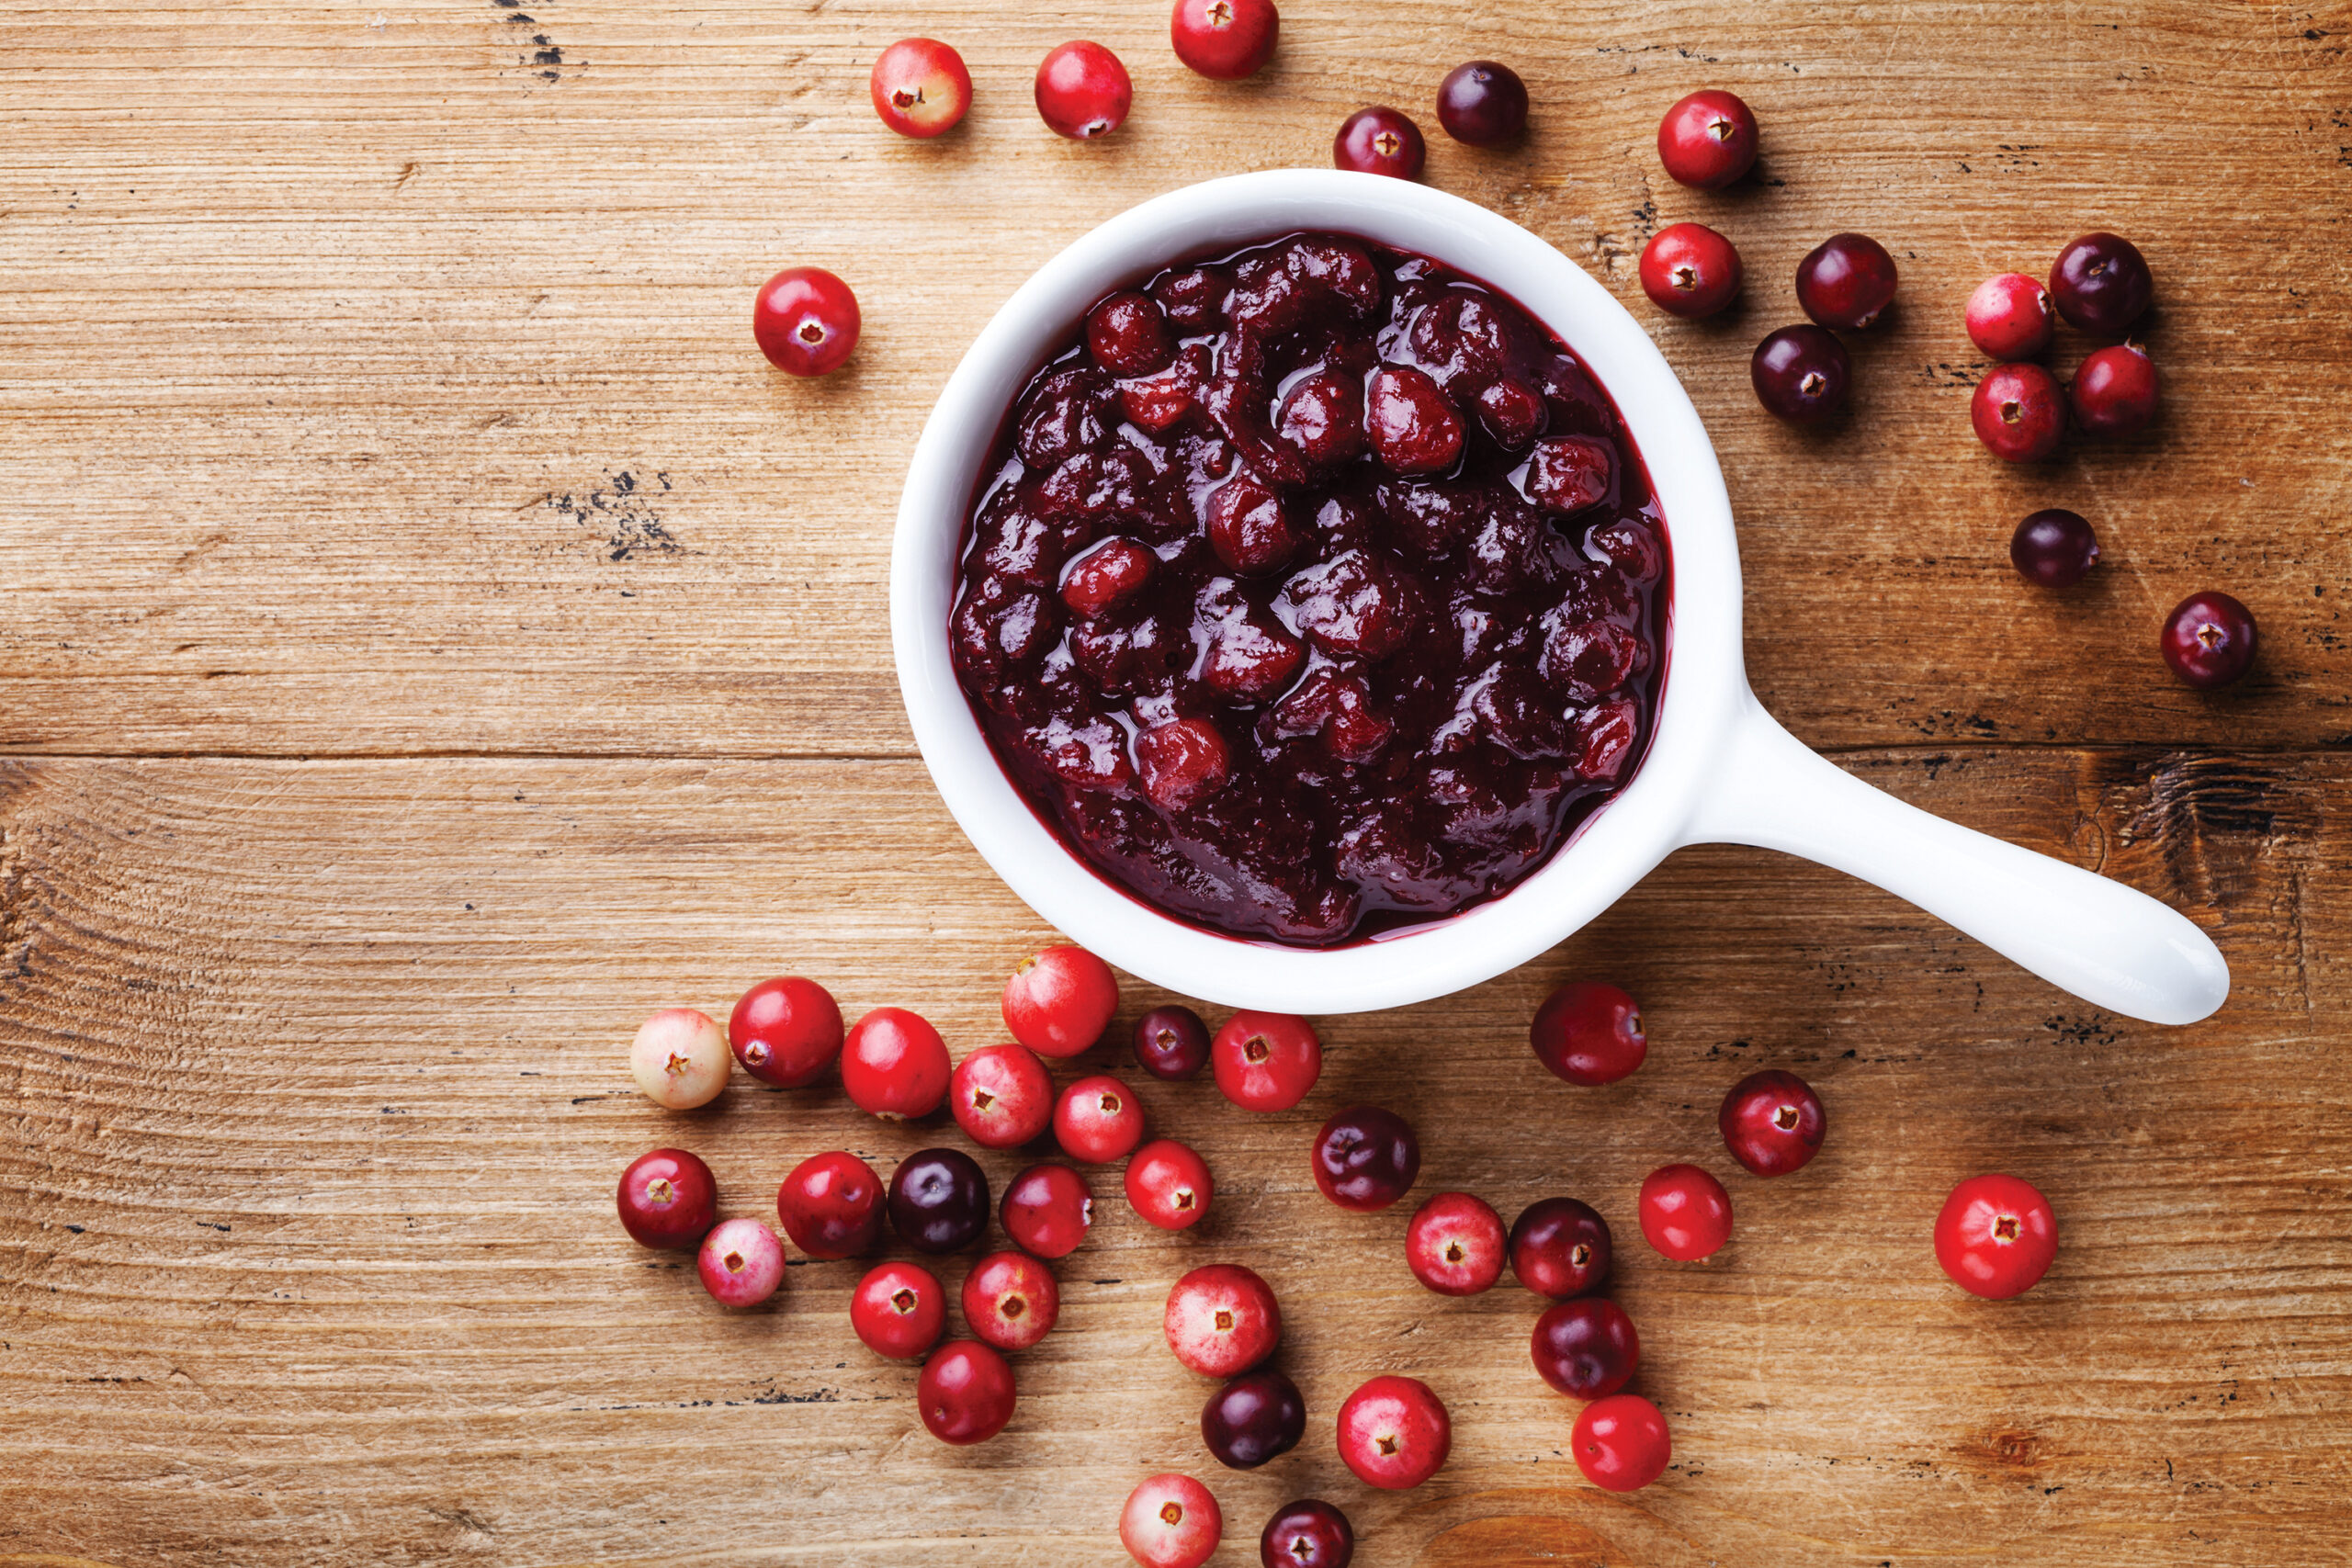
(434,638)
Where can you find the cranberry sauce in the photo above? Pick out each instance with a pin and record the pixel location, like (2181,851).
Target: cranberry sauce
(1314,592)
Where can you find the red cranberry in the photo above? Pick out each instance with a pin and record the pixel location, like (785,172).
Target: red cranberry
(668,1199)
(2020,413)
(899,1311)
(1379,141)
(1559,1248)
(806,321)
(939,1200)
(1003,1096)
(1181,762)
(1060,1000)
(1456,1244)
(1482,103)
(831,1205)
(1366,1158)
(2009,317)
(1772,1122)
(1621,1443)
(1589,1033)
(1222,1320)
(2210,640)
(1587,1349)
(1171,1043)
(1266,1061)
(2053,548)
(742,1263)
(1083,91)
(1801,374)
(1225,40)
(1513,413)
(1097,1121)
(1707,140)
(1690,270)
(1170,1521)
(1127,335)
(679,1058)
(1256,1417)
(1686,1214)
(1309,1533)
(2100,283)
(786,1031)
(1105,575)
(964,1392)
(1394,1433)
(1010,1300)
(1845,281)
(1047,1210)
(894,1065)
(921,87)
(1248,528)
(2114,392)
(1323,417)
(1568,474)
(1996,1236)
(1169,1184)
(1414,429)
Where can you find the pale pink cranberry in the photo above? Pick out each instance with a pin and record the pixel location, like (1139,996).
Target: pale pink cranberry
(679,1059)
(742,1263)
(1170,1521)
(921,87)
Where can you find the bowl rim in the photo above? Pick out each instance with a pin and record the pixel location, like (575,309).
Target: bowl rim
(1616,845)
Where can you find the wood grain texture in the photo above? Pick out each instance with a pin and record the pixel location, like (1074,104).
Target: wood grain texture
(432,640)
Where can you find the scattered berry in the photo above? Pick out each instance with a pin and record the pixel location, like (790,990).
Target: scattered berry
(1169,1184)
(1060,1001)
(1585,1348)
(742,1263)
(1483,104)
(806,321)
(1686,1214)
(1098,1120)
(1010,1300)
(2210,640)
(1171,1043)
(1309,1533)
(2053,548)
(1621,1443)
(1801,374)
(964,1392)
(2009,317)
(939,1200)
(1256,1417)
(1845,281)
(1266,1061)
(2114,391)
(2020,412)
(1170,1521)
(894,1065)
(1222,1320)
(1589,1033)
(2100,283)
(1394,1433)
(1365,1158)
(1772,1122)
(921,87)
(1003,1096)
(1047,1210)
(1707,140)
(668,1199)
(1996,1236)
(899,1311)
(1379,141)
(1083,91)
(1225,40)
(786,1031)
(1690,270)
(1559,1248)
(679,1058)
(1456,1244)
(831,1205)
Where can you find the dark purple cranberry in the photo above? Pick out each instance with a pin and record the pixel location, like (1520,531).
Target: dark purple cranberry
(2210,640)
(1801,374)
(1366,1158)
(2101,283)
(1171,1043)
(1414,429)
(1195,298)
(2114,391)
(1845,281)
(939,1200)
(1128,335)
(1379,141)
(1559,1248)
(2053,548)
(1309,1533)
(1257,1416)
(1513,413)
(1483,104)
(1585,1348)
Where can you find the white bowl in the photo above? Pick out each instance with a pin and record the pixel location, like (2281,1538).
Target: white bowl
(1718,769)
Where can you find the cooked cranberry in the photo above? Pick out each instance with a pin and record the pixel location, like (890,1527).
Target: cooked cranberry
(1098,1120)
(1251,659)
(1248,528)
(1845,281)
(1621,1443)
(1060,1000)
(1193,298)
(1996,1236)
(1256,1417)
(2018,412)
(1171,1043)
(1366,1158)
(679,1058)
(1513,413)
(1801,374)
(1353,606)
(786,1031)
(1181,762)
(2100,283)
(1707,140)
(1559,1248)
(831,1205)
(1170,1521)
(1482,103)
(1266,1061)
(1772,1122)
(1047,1210)
(2114,392)
(1169,1184)
(1589,1033)
(806,321)
(1323,417)
(1686,1214)
(2053,548)
(964,1392)
(1225,40)
(668,1199)
(1001,1096)
(1456,1244)
(1083,91)
(1010,1300)
(894,1065)
(1585,1348)
(899,1311)
(2009,317)
(921,87)
(939,1200)
(1601,739)
(1309,1533)
(1394,1433)
(2210,639)
(1414,429)
(1105,574)
(1379,141)
(740,1263)
(1222,1320)
(1568,474)
(1128,335)
(1690,270)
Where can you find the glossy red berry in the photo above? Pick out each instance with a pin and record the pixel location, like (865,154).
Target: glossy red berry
(1171,1043)
(920,87)
(2009,317)
(1222,1320)
(1707,140)
(1185,760)
(1010,1300)
(1772,1122)
(1621,1443)
(1060,1000)
(1589,1033)
(1394,1433)
(1996,1236)
(1690,270)
(668,1199)
(786,1031)
(894,1065)
(1365,1158)
(1083,91)
(1309,1533)
(1801,374)
(2210,640)
(965,1394)
(806,321)
(1560,1248)
(1225,40)
(2114,391)
(1170,1521)
(1482,104)
(831,1205)
(1001,1096)
(1456,1244)
(1585,1348)
(2053,548)
(2019,412)
(1047,1210)
(1686,1214)
(740,1263)
(898,1310)
(1106,575)
(1847,282)
(1127,335)
(1256,1417)
(2100,282)
(1169,1184)
(939,1200)
(1379,141)
(1266,1061)
(679,1058)
(1098,1120)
